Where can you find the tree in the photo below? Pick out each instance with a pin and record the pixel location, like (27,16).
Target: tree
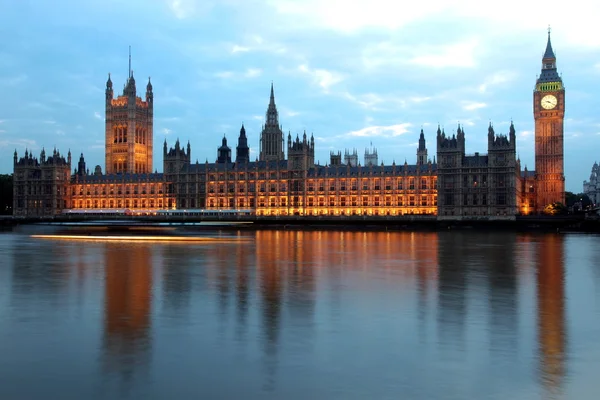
(577,201)
(555,209)
(6,194)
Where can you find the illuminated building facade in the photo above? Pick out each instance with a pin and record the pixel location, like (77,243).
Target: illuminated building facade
(488,185)
(549,115)
(129,123)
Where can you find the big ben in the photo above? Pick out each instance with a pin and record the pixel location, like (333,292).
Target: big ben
(549,114)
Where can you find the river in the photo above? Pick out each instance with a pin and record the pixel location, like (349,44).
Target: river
(302,315)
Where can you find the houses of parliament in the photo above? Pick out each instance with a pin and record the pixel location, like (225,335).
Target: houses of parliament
(284,179)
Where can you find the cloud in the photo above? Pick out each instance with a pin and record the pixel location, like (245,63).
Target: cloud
(239,49)
(252,72)
(224,74)
(183,9)
(13,81)
(166,131)
(2,131)
(60,132)
(348,17)
(381,131)
(321,77)
(498,78)
(49,122)
(286,112)
(23,143)
(97,115)
(388,15)
(525,134)
(248,73)
(379,102)
(452,55)
(256,43)
(258,117)
(471,106)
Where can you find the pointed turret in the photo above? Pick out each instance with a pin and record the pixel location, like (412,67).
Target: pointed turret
(512,132)
(549,72)
(224,152)
(271,136)
(15,157)
(549,53)
(422,149)
(242,151)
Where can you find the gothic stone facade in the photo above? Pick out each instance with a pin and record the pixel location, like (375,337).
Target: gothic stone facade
(478,185)
(488,185)
(41,186)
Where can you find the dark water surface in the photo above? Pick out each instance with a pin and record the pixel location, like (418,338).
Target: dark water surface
(302,315)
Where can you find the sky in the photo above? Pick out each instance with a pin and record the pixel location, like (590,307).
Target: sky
(351,73)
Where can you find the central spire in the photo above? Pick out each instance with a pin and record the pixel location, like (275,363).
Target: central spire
(272,114)
(549,53)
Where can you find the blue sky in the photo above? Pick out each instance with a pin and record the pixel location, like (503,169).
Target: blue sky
(352,73)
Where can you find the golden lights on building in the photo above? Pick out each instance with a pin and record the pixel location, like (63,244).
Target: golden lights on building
(458,185)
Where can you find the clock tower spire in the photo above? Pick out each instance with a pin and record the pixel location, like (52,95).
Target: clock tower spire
(549,113)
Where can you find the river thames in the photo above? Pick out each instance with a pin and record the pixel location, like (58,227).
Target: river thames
(302,315)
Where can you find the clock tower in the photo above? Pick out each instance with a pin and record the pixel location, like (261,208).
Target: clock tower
(549,113)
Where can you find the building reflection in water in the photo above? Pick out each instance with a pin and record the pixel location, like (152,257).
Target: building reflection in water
(551,311)
(242,287)
(453,253)
(498,249)
(127,308)
(270,259)
(176,280)
(34,273)
(425,257)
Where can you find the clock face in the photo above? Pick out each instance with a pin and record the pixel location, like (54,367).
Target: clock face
(549,102)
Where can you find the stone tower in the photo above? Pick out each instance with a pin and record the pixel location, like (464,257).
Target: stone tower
(271,137)
(450,156)
(549,113)
(129,124)
(422,150)
(301,154)
(224,152)
(242,151)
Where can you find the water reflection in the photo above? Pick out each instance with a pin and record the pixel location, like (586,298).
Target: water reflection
(503,291)
(270,259)
(454,253)
(177,267)
(127,308)
(551,312)
(294,315)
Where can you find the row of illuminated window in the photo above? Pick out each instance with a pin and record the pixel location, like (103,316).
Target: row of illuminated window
(123,203)
(312,186)
(120,134)
(111,190)
(332,201)
(275,175)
